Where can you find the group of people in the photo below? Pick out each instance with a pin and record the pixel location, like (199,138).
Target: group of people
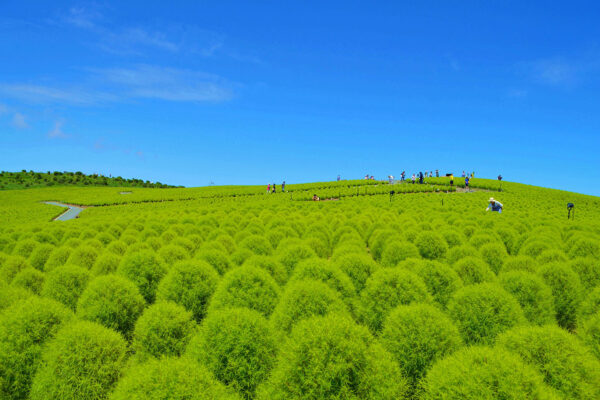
(272,188)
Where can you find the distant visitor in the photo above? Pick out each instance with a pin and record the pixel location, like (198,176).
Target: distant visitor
(494,205)
(315,197)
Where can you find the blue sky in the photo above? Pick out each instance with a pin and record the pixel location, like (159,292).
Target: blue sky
(228,92)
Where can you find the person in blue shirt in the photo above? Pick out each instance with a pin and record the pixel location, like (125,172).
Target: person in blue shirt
(494,205)
(467,182)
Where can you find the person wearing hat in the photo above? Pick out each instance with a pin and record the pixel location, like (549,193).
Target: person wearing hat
(495,205)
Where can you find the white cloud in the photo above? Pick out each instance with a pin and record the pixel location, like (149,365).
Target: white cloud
(82,17)
(19,122)
(47,94)
(57,132)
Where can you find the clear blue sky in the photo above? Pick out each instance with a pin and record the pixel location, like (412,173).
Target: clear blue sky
(256,92)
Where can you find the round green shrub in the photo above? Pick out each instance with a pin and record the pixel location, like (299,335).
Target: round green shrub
(269,264)
(83,361)
(520,263)
(441,280)
(564,362)
(112,301)
(172,253)
(483,311)
(290,256)
(386,289)
(12,266)
(24,329)
(358,267)
(551,255)
(216,258)
(590,333)
(24,247)
(585,248)
(257,244)
(83,256)
(431,245)
(380,239)
(30,279)
(453,237)
(57,258)
(333,358)
(473,271)
(145,270)
(164,329)
(238,347)
(303,299)
(494,255)
(588,269)
(65,284)
(189,283)
(40,255)
(418,335)
(396,252)
(590,305)
(534,296)
(10,295)
(534,248)
(476,373)
(326,272)
(460,252)
(106,264)
(170,378)
(566,291)
(117,247)
(246,287)
(239,256)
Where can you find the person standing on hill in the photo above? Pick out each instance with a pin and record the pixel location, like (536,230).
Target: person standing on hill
(269,188)
(420,178)
(495,205)
(472,174)
(437,173)
(499,177)
(463,175)
(413,178)
(274,188)
(467,182)
(402,176)
(283,186)
(451,180)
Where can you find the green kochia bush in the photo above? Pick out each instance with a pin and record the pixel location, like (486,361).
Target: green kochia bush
(112,301)
(31,279)
(473,270)
(566,290)
(417,335)
(590,333)
(483,311)
(291,255)
(218,259)
(304,299)
(189,283)
(494,254)
(395,252)
(164,329)
(441,280)
(83,256)
(170,378)
(359,267)
(588,270)
(564,362)
(145,270)
(24,329)
(172,253)
(333,358)
(476,373)
(65,284)
(534,296)
(40,255)
(246,287)
(11,267)
(106,264)
(386,289)
(57,258)
(269,264)
(238,346)
(431,245)
(519,263)
(84,361)
(322,270)
(590,305)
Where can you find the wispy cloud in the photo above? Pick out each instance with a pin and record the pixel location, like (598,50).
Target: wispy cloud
(562,71)
(82,17)
(3,109)
(57,132)
(46,94)
(19,121)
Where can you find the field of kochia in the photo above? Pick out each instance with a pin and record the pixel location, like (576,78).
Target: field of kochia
(227,292)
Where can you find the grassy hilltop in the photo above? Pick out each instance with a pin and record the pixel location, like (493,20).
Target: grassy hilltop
(379,292)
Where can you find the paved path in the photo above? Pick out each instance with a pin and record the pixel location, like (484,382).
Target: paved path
(71,213)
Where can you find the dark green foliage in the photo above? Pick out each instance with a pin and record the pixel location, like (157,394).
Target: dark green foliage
(418,335)
(534,296)
(564,362)
(551,255)
(566,290)
(145,270)
(585,248)
(386,289)
(83,361)
(164,329)
(30,279)
(333,358)
(24,328)
(238,346)
(189,283)
(431,245)
(65,284)
(473,271)
(304,299)
(246,287)
(112,301)
(172,379)
(483,311)
(477,373)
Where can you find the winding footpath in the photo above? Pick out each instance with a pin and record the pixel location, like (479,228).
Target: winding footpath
(71,213)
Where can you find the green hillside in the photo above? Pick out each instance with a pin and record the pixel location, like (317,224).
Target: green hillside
(378,291)
(31,179)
